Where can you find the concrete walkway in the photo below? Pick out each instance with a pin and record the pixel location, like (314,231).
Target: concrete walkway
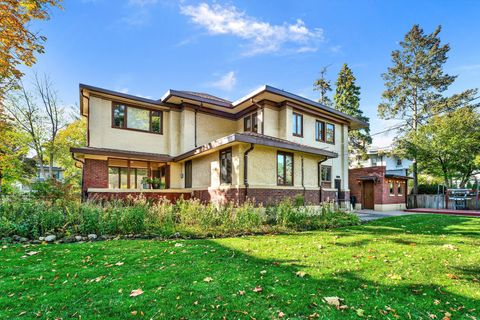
(369,215)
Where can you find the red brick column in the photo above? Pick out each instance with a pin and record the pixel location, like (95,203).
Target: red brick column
(95,174)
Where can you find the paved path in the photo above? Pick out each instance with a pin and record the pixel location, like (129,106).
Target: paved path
(369,215)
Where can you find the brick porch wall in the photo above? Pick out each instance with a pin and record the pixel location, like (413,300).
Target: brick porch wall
(95,174)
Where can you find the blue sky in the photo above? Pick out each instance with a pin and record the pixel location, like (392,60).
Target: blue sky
(145,47)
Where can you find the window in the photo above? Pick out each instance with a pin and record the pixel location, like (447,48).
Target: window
(226,166)
(330,133)
(399,189)
(399,162)
(297,125)
(320,130)
(392,191)
(374,160)
(250,123)
(137,118)
(284,169)
(326,174)
(127,174)
(119,116)
(188,174)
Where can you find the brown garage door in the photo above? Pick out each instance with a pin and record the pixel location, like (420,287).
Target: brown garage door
(368,202)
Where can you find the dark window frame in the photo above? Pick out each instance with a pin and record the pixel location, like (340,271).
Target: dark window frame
(253,119)
(333,134)
(391,188)
(188,174)
(125,118)
(229,169)
(321,173)
(285,155)
(317,131)
(399,189)
(296,115)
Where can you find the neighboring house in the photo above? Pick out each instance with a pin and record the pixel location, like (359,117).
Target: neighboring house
(266,146)
(379,181)
(57,174)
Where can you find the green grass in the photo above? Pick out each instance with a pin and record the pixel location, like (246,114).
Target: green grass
(405,267)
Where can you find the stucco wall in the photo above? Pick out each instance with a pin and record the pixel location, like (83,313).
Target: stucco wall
(210,128)
(102,135)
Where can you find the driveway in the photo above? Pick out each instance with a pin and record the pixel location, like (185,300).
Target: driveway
(369,215)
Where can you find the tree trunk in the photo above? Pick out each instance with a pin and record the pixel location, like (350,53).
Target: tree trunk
(50,167)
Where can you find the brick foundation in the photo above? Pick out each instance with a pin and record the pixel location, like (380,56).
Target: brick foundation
(109,196)
(95,174)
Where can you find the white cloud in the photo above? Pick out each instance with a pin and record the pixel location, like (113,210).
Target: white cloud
(139,13)
(226,82)
(261,37)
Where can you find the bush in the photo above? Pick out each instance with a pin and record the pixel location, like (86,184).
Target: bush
(33,217)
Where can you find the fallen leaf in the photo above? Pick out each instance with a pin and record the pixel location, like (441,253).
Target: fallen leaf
(452,276)
(258,289)
(178,244)
(208,279)
(281,314)
(241,292)
(134,312)
(119,263)
(263,272)
(300,274)
(136,292)
(31,253)
(333,301)
(450,247)
(360,312)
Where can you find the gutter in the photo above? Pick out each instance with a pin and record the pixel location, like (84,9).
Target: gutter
(303,182)
(245,169)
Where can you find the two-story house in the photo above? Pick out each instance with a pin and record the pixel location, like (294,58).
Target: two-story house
(379,180)
(266,146)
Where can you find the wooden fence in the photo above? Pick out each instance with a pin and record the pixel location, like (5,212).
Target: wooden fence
(434,201)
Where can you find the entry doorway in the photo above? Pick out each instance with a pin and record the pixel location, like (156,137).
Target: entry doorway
(368,195)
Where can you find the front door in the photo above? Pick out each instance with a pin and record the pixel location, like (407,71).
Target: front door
(368,202)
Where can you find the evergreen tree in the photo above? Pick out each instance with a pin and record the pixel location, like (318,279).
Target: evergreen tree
(347,100)
(414,85)
(323,86)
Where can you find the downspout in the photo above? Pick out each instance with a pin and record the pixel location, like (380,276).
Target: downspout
(320,180)
(303,182)
(196,110)
(83,195)
(245,169)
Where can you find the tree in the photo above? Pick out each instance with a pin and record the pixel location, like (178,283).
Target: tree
(347,100)
(323,85)
(448,145)
(73,135)
(18,45)
(414,85)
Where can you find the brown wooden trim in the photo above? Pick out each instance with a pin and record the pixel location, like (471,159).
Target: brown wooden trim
(301,122)
(125,121)
(229,174)
(323,130)
(313,113)
(285,168)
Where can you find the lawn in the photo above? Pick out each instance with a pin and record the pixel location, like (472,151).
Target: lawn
(409,267)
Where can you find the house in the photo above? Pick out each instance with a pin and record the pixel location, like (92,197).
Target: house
(379,181)
(266,146)
(57,174)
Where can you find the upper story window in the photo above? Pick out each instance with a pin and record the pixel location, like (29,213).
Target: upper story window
(284,169)
(226,166)
(374,160)
(320,130)
(139,119)
(297,124)
(330,133)
(399,162)
(250,123)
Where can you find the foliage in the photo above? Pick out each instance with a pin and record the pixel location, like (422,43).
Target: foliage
(72,136)
(347,100)
(19,44)
(415,82)
(448,145)
(429,189)
(323,86)
(52,190)
(50,211)
(408,267)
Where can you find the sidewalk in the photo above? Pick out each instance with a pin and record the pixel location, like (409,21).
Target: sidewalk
(369,215)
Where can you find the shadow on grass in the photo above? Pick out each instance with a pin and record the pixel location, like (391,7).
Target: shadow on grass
(205,279)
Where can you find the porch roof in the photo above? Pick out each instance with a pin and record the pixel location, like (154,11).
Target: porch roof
(260,139)
(122,154)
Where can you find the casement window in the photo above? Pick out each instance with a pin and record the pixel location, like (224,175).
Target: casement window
(188,174)
(320,130)
(297,124)
(325,173)
(330,133)
(139,119)
(226,166)
(284,169)
(399,189)
(399,162)
(391,188)
(250,123)
(131,174)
